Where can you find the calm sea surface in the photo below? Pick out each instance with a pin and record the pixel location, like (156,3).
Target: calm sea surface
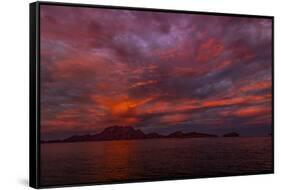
(107,161)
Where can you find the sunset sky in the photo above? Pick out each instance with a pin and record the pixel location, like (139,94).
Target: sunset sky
(158,72)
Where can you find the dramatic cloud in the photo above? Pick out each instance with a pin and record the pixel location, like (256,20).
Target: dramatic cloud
(159,72)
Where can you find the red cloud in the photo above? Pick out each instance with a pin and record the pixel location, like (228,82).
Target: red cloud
(252,111)
(256,86)
(143,83)
(224,102)
(209,50)
(173,119)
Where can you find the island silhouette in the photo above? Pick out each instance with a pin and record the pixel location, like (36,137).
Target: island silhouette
(129,133)
(232,134)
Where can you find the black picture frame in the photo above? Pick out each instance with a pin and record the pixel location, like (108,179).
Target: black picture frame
(34,83)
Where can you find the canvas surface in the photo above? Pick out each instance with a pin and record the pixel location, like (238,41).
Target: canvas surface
(130,95)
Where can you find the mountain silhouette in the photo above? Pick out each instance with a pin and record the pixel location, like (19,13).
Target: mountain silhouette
(127,133)
(118,132)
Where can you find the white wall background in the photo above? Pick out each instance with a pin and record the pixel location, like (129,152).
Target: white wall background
(14,84)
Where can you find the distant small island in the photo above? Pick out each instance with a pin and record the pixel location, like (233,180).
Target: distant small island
(128,133)
(232,134)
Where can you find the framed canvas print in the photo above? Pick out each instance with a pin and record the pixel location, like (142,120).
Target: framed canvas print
(121,94)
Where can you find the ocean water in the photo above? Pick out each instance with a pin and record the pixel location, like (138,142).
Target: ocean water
(153,159)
